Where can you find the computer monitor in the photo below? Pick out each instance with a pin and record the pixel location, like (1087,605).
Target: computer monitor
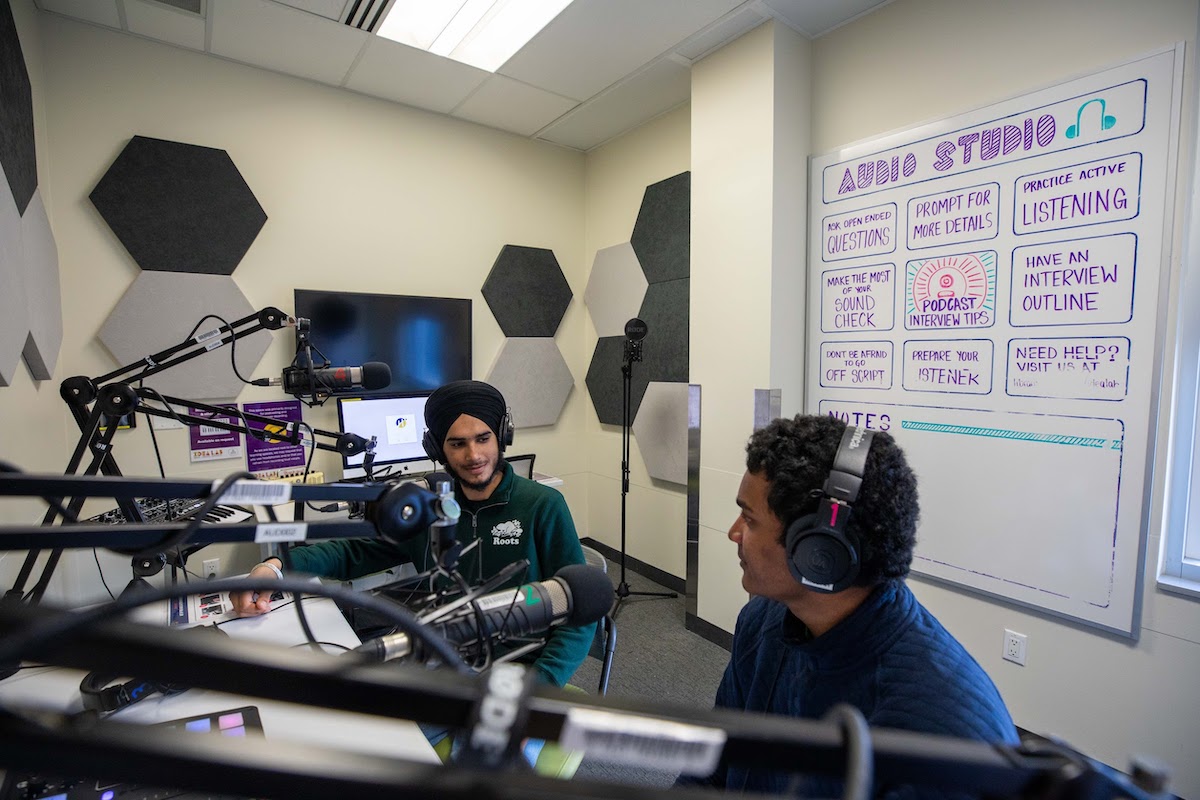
(397,422)
(425,341)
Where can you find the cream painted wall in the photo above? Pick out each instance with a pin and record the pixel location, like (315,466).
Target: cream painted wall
(616,176)
(749,145)
(361,195)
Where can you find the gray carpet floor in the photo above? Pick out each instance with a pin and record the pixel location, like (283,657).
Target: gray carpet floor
(657,660)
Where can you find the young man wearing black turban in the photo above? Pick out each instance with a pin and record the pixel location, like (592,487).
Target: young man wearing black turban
(511,517)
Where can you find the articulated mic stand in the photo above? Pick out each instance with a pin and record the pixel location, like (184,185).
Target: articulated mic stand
(635,331)
(96,405)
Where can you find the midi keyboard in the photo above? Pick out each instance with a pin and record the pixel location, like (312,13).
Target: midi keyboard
(157,510)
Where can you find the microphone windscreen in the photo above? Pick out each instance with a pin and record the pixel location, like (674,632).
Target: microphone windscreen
(376,375)
(591,593)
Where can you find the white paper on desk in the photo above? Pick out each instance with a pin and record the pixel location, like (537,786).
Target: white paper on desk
(205,608)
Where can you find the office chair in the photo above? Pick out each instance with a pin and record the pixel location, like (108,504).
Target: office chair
(523,464)
(604,645)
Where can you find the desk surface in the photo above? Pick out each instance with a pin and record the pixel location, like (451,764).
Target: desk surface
(57,688)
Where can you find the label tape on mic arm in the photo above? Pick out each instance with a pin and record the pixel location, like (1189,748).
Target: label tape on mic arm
(497,723)
(643,741)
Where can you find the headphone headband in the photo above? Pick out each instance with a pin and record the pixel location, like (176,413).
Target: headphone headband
(99,695)
(845,477)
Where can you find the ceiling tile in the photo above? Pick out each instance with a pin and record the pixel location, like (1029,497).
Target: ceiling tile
(407,75)
(283,39)
(512,106)
(818,17)
(662,86)
(592,44)
(724,31)
(167,24)
(330,9)
(101,12)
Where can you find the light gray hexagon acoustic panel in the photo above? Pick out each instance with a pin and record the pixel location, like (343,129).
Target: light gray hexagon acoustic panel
(160,308)
(662,235)
(14,317)
(526,291)
(534,379)
(179,207)
(43,296)
(615,289)
(661,430)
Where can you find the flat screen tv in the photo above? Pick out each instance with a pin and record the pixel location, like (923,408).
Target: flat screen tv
(426,341)
(397,422)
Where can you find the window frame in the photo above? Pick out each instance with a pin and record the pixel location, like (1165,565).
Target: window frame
(1181,518)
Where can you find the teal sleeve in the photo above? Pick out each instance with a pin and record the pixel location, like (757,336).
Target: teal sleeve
(558,545)
(345,559)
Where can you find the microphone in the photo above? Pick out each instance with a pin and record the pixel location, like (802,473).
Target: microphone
(635,331)
(576,595)
(296,380)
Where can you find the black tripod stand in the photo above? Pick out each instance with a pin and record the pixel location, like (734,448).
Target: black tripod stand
(635,331)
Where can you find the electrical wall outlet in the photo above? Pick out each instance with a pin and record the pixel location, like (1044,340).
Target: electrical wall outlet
(1014,647)
(212,567)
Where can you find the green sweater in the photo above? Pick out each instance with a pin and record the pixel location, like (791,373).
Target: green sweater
(521,519)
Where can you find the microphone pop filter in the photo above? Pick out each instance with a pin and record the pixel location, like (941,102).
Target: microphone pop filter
(591,593)
(376,375)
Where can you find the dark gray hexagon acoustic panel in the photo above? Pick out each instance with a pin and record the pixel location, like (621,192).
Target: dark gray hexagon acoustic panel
(179,207)
(18,150)
(665,348)
(662,235)
(527,292)
(605,381)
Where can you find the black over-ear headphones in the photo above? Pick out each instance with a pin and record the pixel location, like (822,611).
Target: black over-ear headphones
(99,693)
(433,448)
(822,554)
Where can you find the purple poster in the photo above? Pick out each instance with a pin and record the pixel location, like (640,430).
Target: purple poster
(210,443)
(270,455)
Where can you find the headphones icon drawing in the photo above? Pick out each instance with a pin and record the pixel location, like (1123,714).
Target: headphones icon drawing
(1106,120)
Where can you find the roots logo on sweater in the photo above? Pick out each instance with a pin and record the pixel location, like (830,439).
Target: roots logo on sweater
(507,532)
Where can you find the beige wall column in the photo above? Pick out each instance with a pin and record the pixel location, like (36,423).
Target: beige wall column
(749,149)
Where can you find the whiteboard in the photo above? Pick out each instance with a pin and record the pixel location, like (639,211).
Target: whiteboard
(986,288)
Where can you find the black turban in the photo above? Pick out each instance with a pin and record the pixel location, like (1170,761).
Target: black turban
(475,398)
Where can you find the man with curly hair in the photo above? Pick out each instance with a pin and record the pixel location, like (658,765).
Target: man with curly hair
(802,646)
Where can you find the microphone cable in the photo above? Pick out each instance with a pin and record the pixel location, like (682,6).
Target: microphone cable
(483,661)
(285,556)
(232,342)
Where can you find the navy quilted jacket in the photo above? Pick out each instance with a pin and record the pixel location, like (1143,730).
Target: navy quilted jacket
(891,659)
